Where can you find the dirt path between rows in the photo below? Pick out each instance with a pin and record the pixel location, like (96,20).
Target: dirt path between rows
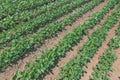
(95,59)
(115,75)
(69,55)
(10,70)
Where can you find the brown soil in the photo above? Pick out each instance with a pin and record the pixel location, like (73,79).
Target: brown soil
(115,75)
(10,70)
(69,55)
(94,60)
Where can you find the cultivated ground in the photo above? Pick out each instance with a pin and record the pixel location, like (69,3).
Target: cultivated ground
(53,71)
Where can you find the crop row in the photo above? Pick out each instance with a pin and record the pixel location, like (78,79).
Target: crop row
(19,47)
(118,31)
(34,24)
(75,68)
(24,16)
(115,41)
(8,8)
(48,58)
(104,66)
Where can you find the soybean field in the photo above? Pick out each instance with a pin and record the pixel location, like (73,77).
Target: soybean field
(59,39)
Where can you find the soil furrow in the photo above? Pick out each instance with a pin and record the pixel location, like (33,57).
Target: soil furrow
(115,74)
(11,69)
(95,59)
(69,55)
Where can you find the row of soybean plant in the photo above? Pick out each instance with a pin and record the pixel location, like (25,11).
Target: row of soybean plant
(115,41)
(48,59)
